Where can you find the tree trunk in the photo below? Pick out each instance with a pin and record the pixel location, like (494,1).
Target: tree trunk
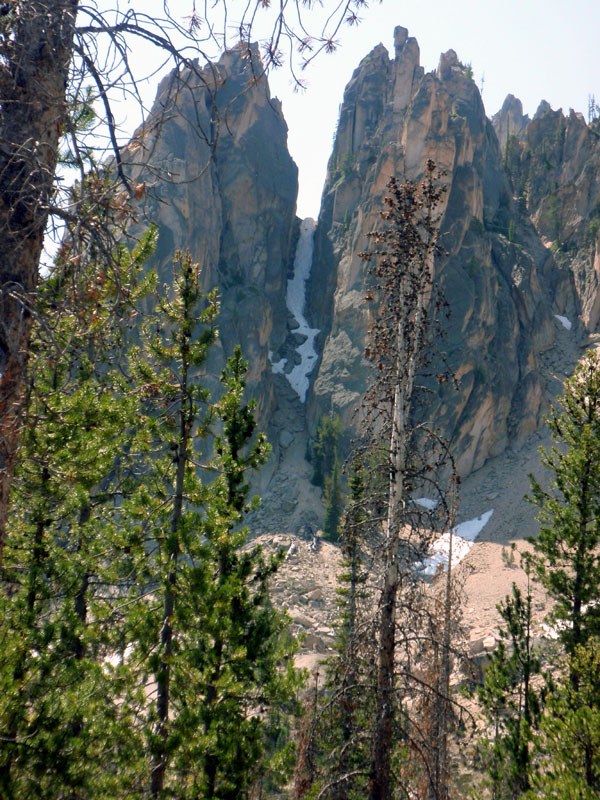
(35,54)
(406,365)
(163,681)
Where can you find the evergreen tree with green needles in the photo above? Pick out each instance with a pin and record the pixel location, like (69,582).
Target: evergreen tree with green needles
(334,740)
(216,657)
(334,502)
(566,555)
(568,743)
(510,701)
(62,723)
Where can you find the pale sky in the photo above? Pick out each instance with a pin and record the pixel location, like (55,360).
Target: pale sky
(534,49)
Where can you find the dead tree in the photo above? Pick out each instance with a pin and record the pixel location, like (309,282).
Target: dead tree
(407,305)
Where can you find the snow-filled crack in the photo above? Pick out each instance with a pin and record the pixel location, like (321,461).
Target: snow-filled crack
(295,299)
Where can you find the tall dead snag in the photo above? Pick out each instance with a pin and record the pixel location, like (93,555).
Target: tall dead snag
(442,646)
(35,53)
(399,345)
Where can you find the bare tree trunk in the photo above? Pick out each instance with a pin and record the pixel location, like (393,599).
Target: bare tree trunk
(163,682)
(404,272)
(35,52)
(439,773)
(405,371)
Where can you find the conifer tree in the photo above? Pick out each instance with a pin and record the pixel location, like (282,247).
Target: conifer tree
(334,502)
(324,450)
(511,703)
(141,653)
(335,738)
(568,742)
(566,555)
(400,345)
(210,643)
(61,719)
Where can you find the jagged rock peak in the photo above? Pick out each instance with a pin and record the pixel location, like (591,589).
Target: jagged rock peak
(545,108)
(373,60)
(406,68)
(448,60)
(225,186)
(400,37)
(510,120)
(512,105)
(393,118)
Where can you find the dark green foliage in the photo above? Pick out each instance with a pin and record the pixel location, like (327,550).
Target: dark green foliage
(334,502)
(335,753)
(561,760)
(324,450)
(61,720)
(211,642)
(141,654)
(568,744)
(511,704)
(327,472)
(566,556)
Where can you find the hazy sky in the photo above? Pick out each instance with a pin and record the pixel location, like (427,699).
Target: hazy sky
(534,49)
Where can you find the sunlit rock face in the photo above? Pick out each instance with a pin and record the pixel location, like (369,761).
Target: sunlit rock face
(553,163)
(393,118)
(222,184)
(520,224)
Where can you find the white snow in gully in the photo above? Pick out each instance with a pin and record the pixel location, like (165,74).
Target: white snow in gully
(295,299)
(564,321)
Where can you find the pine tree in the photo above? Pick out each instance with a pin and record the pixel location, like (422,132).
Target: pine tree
(568,743)
(400,345)
(324,450)
(566,555)
(335,741)
(61,718)
(249,676)
(334,501)
(141,652)
(511,703)
(210,643)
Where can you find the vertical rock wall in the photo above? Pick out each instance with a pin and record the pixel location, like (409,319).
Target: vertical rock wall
(220,182)
(393,118)
(553,162)
(520,223)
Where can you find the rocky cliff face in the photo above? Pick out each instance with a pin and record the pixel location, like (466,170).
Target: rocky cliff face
(552,162)
(498,276)
(521,227)
(220,182)
(520,223)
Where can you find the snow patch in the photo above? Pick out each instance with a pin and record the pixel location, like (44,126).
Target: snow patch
(462,541)
(566,323)
(554,631)
(426,502)
(279,366)
(470,530)
(295,299)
